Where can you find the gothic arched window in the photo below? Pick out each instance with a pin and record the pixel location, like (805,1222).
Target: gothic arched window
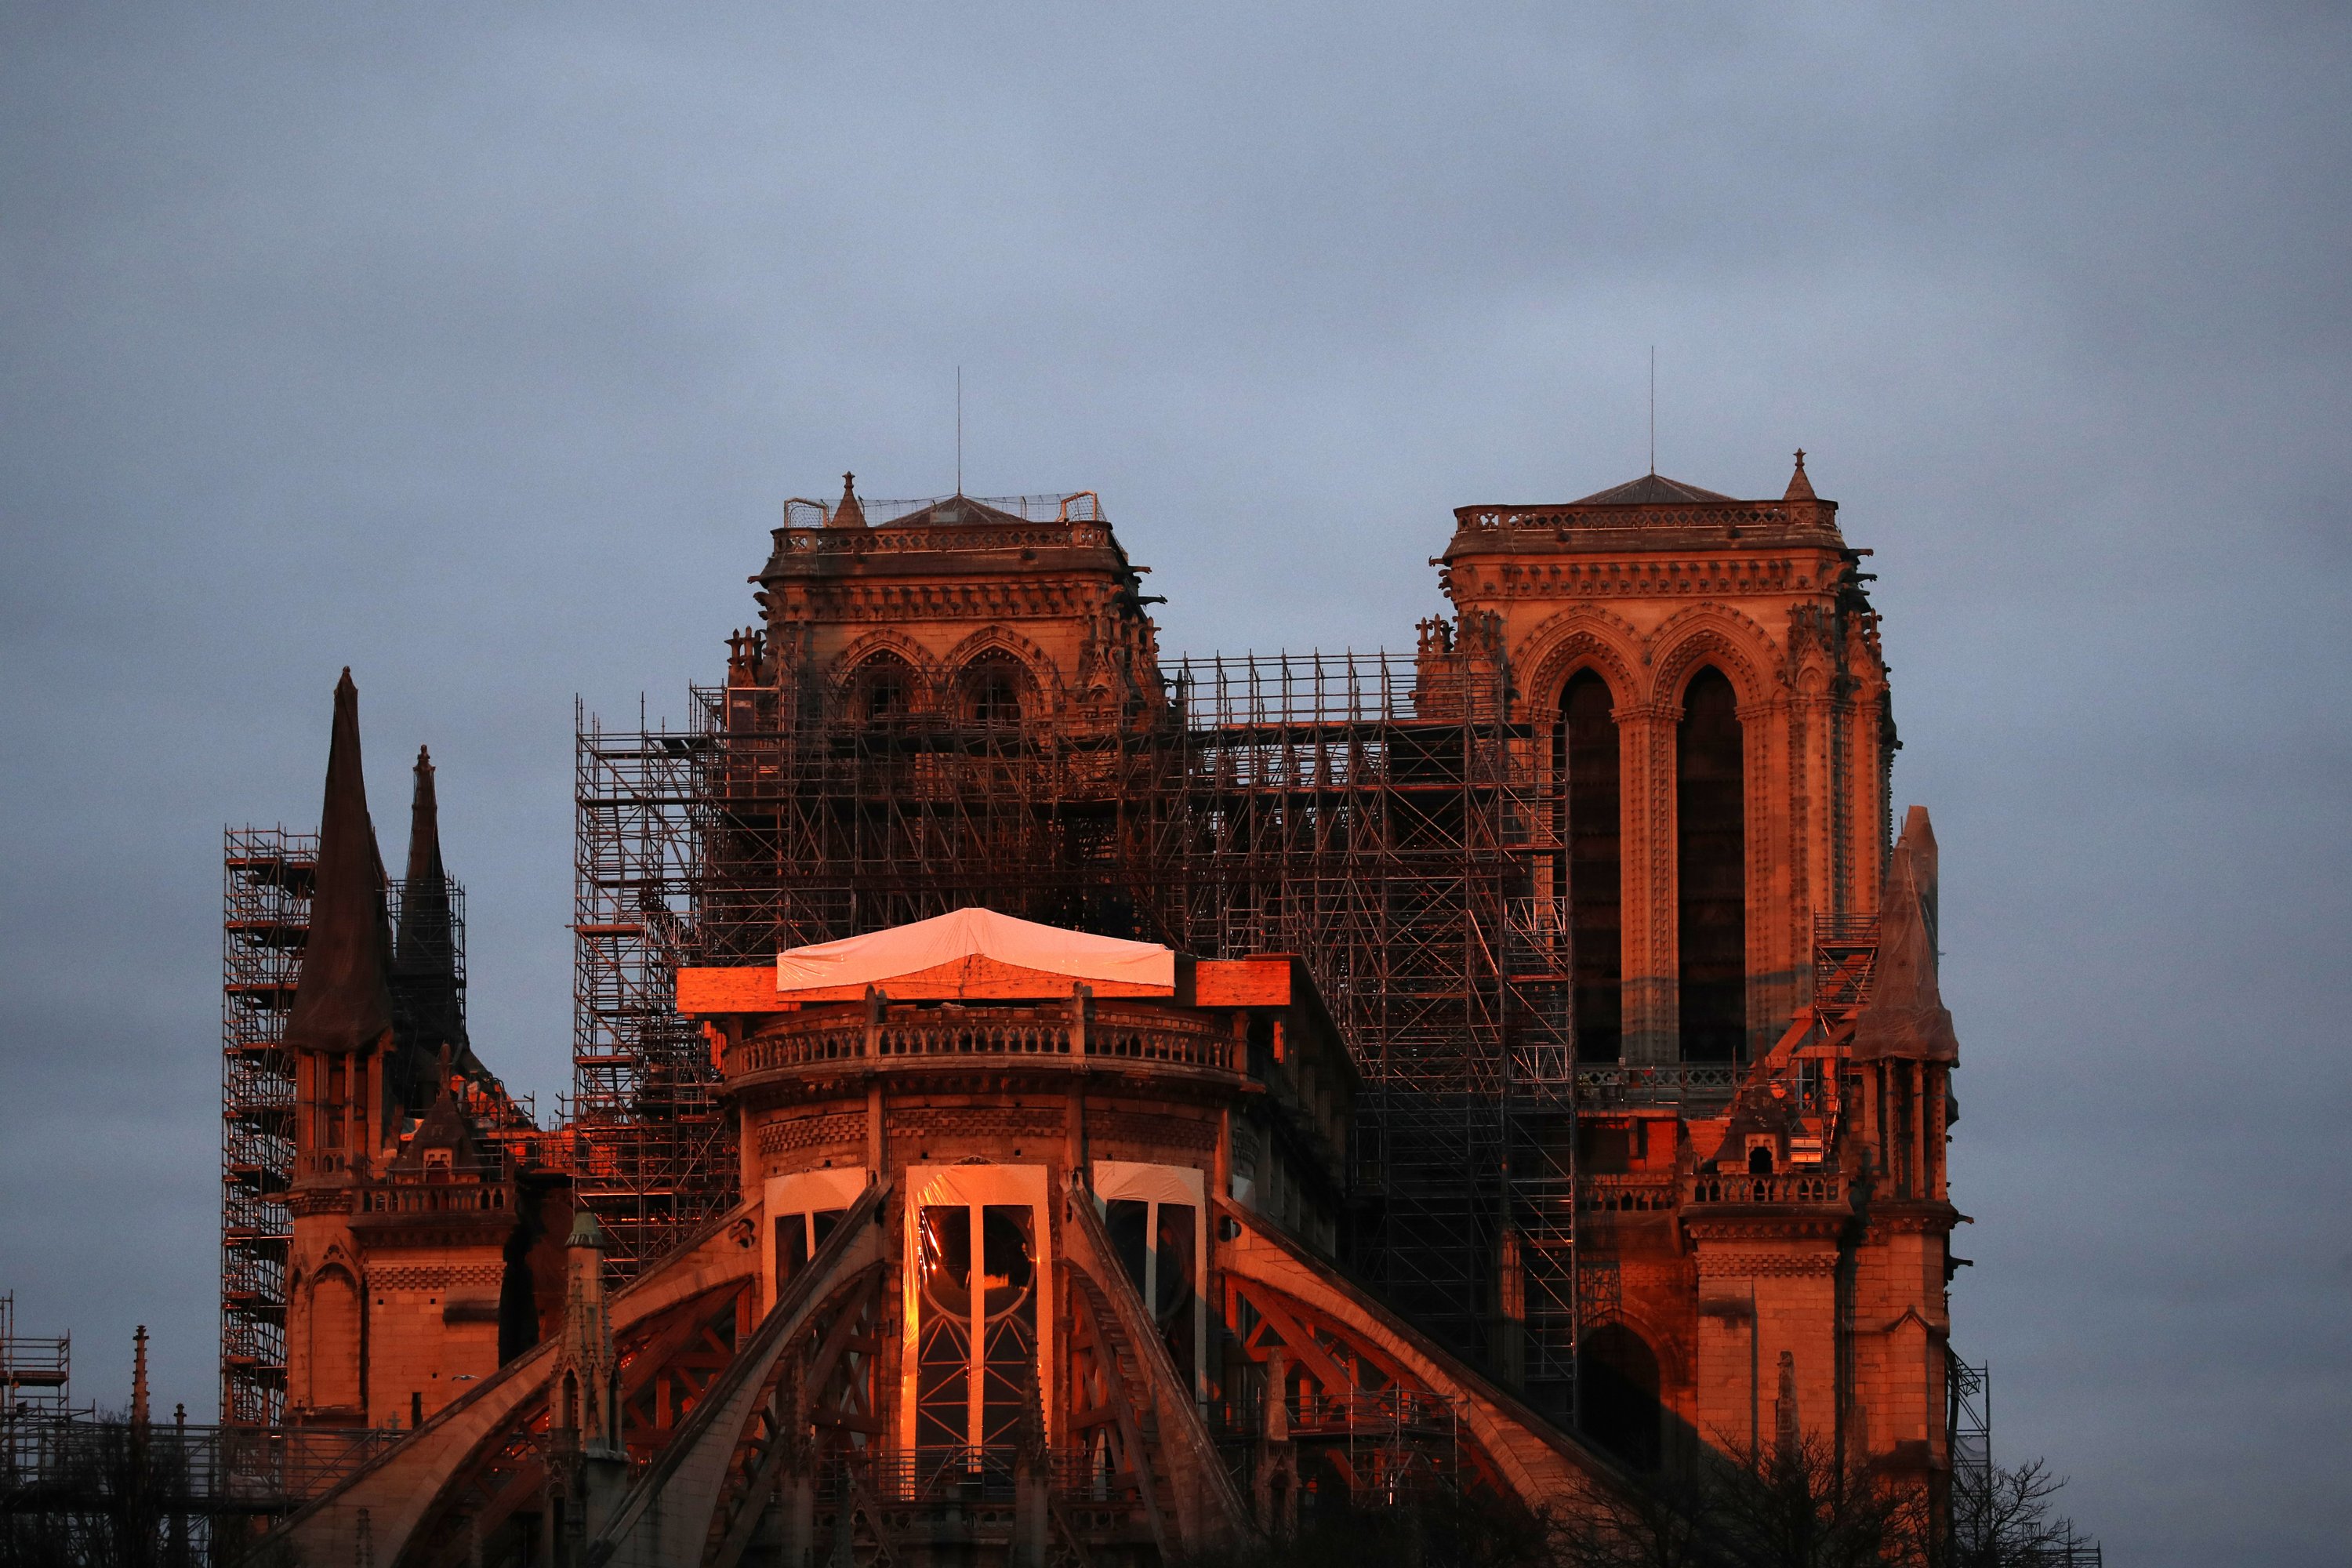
(1711,858)
(884,689)
(1586,760)
(992,692)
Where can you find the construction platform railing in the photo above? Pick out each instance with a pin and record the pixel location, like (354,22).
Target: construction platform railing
(86,1464)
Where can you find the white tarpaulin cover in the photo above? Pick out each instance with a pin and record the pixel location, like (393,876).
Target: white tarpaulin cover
(926,944)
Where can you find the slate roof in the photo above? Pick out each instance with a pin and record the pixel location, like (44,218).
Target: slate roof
(953,511)
(1651,489)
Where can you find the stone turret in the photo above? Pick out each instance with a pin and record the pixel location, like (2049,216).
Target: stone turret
(588,1462)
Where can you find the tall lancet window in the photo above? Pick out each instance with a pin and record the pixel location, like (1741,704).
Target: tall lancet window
(1711,855)
(1585,760)
(977,1324)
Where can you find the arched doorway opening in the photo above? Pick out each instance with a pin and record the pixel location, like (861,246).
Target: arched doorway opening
(1618,1399)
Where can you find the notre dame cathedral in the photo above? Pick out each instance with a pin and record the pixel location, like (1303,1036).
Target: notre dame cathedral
(1041,1099)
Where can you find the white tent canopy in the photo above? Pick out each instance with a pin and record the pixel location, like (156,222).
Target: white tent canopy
(927,944)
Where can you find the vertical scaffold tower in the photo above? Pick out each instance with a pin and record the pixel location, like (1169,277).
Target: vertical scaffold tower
(266,876)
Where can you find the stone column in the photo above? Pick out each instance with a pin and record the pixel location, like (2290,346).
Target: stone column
(1773,867)
(1645,743)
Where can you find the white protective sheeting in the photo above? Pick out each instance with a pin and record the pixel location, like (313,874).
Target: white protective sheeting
(927,944)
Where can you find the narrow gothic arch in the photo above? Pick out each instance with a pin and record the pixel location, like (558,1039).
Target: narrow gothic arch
(333,1351)
(1586,802)
(994,689)
(1622,1408)
(1743,651)
(1004,642)
(853,660)
(1711,759)
(882,686)
(1580,638)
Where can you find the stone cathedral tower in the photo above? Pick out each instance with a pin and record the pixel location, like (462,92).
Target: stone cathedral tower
(1707,671)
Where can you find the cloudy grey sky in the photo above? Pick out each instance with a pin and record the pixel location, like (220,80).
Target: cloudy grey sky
(474,347)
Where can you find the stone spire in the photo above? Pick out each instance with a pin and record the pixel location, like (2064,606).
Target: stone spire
(424,868)
(342,1002)
(849,513)
(1906,1016)
(1799,486)
(424,968)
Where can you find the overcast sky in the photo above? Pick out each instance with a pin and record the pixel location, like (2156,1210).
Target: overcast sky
(476,347)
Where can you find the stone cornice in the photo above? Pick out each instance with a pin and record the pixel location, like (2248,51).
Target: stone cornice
(1713,1225)
(1482,577)
(1925,1219)
(1713,1269)
(988,598)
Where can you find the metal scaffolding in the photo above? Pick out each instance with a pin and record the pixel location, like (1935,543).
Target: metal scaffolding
(1375,814)
(651,1155)
(1978,1504)
(266,876)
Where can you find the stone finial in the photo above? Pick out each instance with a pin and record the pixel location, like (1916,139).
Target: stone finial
(849,513)
(1799,486)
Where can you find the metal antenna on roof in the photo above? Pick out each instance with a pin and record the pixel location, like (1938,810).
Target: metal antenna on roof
(959,429)
(1653,410)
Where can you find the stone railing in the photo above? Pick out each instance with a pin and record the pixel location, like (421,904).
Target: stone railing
(1628,1193)
(1714,516)
(1671,1083)
(1783,1188)
(952,537)
(799,1048)
(434,1197)
(1033,1033)
(975,1034)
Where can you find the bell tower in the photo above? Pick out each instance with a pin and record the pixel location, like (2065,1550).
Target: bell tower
(1707,671)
